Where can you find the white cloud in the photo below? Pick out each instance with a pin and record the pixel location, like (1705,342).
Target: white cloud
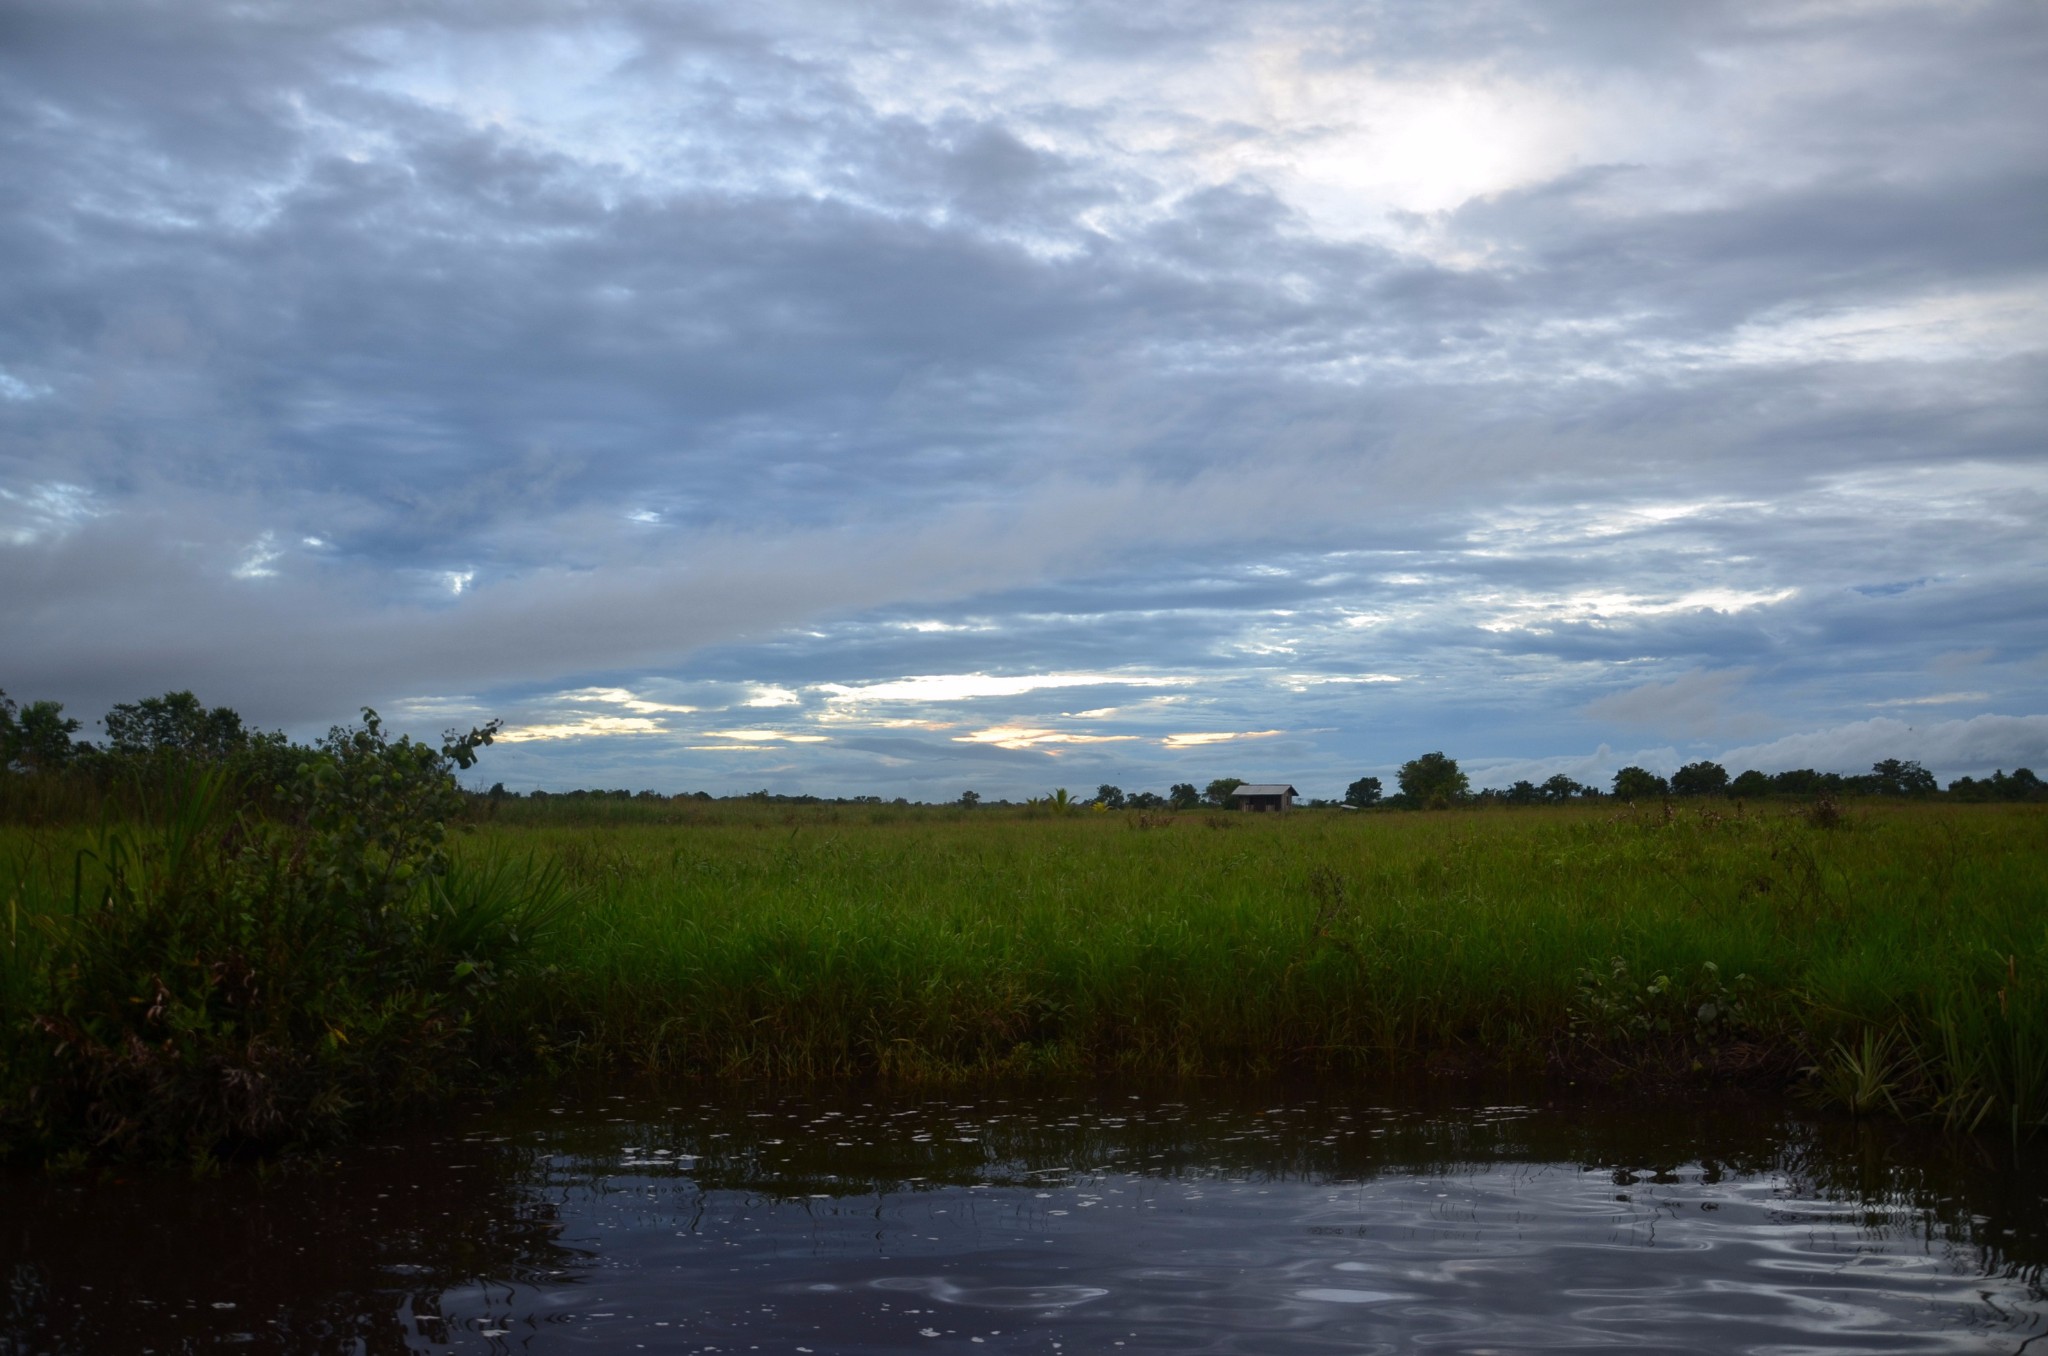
(1029,737)
(1695,703)
(756,736)
(1517,530)
(953,687)
(1949,748)
(1301,682)
(1978,326)
(39,512)
(1523,611)
(14,388)
(926,628)
(256,561)
(1199,738)
(620,696)
(583,727)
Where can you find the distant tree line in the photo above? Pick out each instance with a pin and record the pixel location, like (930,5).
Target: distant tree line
(148,743)
(147,740)
(155,745)
(1434,781)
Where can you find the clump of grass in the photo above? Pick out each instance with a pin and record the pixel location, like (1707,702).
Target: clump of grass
(1825,813)
(1864,1078)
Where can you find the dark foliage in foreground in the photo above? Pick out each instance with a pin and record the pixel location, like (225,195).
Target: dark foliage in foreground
(222,980)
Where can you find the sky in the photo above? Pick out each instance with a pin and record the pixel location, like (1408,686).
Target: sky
(913,397)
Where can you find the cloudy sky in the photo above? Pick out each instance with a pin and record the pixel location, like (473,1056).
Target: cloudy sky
(911,396)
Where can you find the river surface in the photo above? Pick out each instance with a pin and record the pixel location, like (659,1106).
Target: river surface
(1103,1220)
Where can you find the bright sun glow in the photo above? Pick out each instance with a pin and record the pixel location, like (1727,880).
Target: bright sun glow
(1418,150)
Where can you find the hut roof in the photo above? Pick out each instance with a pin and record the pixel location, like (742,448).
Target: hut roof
(1265,789)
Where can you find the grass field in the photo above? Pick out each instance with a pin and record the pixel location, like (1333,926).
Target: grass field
(1898,953)
(1902,951)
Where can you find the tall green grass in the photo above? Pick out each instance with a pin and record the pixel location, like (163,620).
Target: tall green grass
(1889,960)
(1901,951)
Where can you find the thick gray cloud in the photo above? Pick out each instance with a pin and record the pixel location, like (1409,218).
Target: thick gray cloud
(1323,383)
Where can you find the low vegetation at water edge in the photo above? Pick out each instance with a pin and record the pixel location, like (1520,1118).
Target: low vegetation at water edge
(205,978)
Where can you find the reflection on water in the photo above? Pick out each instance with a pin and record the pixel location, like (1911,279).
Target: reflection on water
(1105,1221)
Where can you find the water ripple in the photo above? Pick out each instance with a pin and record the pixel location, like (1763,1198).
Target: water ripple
(1110,1224)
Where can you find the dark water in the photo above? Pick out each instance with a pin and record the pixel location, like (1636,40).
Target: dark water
(1103,1221)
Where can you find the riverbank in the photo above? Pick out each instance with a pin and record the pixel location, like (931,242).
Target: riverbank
(1896,952)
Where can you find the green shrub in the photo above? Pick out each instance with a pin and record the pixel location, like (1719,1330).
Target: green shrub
(224,982)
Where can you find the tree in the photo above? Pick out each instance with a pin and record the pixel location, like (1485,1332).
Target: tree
(1109,796)
(1363,794)
(1895,778)
(2022,785)
(1433,781)
(970,799)
(1750,784)
(1219,791)
(1560,788)
(1145,800)
(1523,792)
(1183,796)
(174,723)
(1802,781)
(36,737)
(1635,783)
(1700,779)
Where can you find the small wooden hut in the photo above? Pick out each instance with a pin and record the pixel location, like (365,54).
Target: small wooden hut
(1275,796)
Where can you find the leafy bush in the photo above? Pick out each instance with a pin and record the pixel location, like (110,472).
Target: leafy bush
(224,982)
(1619,1014)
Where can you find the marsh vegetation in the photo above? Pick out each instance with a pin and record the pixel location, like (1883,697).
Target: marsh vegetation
(1885,957)
(209,979)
